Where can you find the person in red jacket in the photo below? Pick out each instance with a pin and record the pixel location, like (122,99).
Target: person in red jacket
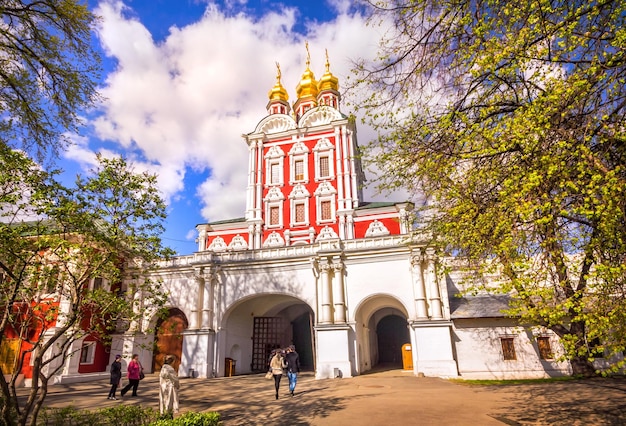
(134,371)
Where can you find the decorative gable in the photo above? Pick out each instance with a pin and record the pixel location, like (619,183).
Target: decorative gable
(218,244)
(327,234)
(274,194)
(274,152)
(323,145)
(376,229)
(324,189)
(298,148)
(299,191)
(238,243)
(274,240)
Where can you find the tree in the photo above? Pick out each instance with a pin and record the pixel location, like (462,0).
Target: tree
(509,117)
(48,72)
(105,228)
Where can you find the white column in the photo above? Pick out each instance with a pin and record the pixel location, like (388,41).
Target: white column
(342,226)
(339,142)
(339,293)
(194,318)
(258,202)
(202,233)
(208,299)
(325,291)
(250,196)
(347,170)
(350,227)
(419,291)
(404,221)
(433,286)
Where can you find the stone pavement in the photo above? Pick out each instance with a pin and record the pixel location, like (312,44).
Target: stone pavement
(390,397)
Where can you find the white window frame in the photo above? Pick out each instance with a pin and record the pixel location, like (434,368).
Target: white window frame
(325,192)
(299,152)
(91,352)
(102,286)
(274,157)
(305,172)
(324,148)
(274,198)
(299,195)
(292,219)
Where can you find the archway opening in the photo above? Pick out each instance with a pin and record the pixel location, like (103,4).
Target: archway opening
(392,333)
(169,339)
(265,322)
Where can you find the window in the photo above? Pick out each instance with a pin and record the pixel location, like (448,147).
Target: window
(299,213)
(324,159)
(324,167)
(87,352)
(97,283)
(274,215)
(275,173)
(52,280)
(326,212)
(508,348)
(298,166)
(545,351)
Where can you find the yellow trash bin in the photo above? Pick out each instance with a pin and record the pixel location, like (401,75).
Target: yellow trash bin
(407,357)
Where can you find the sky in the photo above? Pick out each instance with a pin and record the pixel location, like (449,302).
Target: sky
(184,79)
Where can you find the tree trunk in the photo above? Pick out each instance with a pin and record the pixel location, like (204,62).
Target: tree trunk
(582,367)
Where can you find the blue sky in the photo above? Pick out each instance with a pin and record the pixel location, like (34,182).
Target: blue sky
(184,79)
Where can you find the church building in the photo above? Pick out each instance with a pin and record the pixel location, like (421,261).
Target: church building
(313,264)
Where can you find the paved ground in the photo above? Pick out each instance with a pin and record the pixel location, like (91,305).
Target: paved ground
(383,398)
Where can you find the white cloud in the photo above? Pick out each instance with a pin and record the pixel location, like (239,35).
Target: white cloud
(184,102)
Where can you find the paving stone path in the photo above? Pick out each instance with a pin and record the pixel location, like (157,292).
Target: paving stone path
(389,398)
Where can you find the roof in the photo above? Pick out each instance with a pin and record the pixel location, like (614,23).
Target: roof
(488,306)
(376,204)
(225,221)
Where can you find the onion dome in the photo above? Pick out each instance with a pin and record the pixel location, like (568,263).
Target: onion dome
(307,86)
(328,80)
(278,92)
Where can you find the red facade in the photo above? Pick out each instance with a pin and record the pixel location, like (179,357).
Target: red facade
(304,177)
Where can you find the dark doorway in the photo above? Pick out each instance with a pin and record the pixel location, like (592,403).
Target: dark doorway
(267,334)
(392,333)
(302,339)
(169,339)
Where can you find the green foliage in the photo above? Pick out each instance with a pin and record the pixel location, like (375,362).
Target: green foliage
(48,72)
(509,119)
(56,242)
(191,419)
(122,415)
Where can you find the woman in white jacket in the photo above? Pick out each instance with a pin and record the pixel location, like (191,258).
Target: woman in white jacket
(169,385)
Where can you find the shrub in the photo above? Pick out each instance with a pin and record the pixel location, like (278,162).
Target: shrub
(191,419)
(122,415)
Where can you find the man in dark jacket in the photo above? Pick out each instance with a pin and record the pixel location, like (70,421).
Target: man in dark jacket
(293,367)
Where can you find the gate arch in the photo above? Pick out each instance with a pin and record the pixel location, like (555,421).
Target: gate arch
(168,338)
(381,326)
(260,323)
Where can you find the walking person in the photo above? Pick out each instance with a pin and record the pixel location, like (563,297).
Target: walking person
(276,367)
(134,371)
(116,376)
(168,387)
(292,362)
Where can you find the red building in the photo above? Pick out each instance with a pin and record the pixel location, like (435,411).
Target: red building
(304,176)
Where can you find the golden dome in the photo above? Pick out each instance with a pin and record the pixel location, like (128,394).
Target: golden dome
(307,86)
(328,80)
(278,92)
